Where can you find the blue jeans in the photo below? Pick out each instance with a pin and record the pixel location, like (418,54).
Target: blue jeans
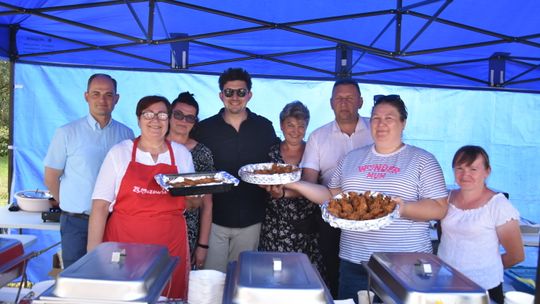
(352,278)
(74,233)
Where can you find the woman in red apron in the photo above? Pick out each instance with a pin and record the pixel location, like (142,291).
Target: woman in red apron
(142,211)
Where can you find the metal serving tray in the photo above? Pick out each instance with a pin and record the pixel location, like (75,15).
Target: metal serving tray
(227,181)
(254,279)
(114,273)
(420,278)
(12,260)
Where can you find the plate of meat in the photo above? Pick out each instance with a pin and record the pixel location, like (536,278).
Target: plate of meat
(196,183)
(360,211)
(270,173)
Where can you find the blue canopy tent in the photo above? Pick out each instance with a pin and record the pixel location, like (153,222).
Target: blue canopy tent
(433,42)
(468,71)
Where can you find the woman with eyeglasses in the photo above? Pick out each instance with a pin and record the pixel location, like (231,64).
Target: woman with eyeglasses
(478,221)
(185,110)
(287,223)
(130,207)
(394,168)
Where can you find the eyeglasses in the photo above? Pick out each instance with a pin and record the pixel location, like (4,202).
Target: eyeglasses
(393,97)
(151,115)
(239,92)
(178,115)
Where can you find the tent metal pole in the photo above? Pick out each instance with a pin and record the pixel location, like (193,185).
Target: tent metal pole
(151,11)
(71,7)
(399,19)
(77,24)
(505,38)
(425,26)
(12,56)
(137,19)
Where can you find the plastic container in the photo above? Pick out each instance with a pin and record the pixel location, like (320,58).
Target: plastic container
(518,297)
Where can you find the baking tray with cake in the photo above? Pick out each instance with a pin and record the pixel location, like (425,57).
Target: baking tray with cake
(197,183)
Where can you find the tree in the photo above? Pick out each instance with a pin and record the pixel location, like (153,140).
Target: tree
(4,107)
(4,93)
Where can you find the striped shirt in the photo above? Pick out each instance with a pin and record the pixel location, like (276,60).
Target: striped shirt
(410,173)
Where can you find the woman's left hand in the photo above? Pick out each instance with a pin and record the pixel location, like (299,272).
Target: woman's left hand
(400,203)
(276,191)
(199,257)
(194,201)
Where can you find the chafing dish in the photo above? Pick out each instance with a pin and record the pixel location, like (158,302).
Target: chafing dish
(12,260)
(273,277)
(114,273)
(420,278)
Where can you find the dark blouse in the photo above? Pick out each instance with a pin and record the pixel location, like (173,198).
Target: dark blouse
(284,227)
(202,161)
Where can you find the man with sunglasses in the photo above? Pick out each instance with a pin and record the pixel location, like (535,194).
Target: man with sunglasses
(236,136)
(74,158)
(325,147)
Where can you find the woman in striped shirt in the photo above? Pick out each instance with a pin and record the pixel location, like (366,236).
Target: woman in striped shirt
(396,169)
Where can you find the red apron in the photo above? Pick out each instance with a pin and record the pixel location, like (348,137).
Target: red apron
(145,213)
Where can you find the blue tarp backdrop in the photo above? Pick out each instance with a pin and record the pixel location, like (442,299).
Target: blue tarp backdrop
(435,47)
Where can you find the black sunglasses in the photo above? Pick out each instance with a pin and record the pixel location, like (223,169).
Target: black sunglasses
(177,114)
(393,97)
(239,92)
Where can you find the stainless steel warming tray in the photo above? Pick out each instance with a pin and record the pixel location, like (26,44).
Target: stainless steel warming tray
(274,277)
(114,273)
(12,260)
(420,278)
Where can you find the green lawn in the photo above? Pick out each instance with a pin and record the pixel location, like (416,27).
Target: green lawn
(3,180)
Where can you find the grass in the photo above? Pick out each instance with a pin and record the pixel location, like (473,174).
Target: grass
(3,179)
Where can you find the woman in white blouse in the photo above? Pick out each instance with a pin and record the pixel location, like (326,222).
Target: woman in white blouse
(130,207)
(477,222)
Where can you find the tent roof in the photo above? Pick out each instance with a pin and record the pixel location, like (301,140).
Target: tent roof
(431,42)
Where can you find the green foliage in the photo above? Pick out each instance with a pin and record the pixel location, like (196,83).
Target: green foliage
(4,93)
(4,129)
(4,140)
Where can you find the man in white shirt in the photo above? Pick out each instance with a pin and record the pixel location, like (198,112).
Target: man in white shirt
(325,148)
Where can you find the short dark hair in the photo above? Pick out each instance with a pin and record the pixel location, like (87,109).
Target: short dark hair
(100,75)
(347,81)
(147,101)
(232,74)
(468,154)
(393,100)
(295,109)
(187,98)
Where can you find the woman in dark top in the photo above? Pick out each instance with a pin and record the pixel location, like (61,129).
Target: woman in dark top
(198,220)
(286,224)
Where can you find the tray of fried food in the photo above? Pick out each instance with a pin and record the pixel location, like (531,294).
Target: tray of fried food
(269,173)
(196,183)
(360,211)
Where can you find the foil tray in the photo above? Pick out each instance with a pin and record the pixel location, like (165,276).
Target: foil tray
(227,181)
(247,175)
(420,278)
(352,225)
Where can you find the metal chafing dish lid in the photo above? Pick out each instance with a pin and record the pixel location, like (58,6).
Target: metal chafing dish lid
(114,273)
(407,277)
(274,277)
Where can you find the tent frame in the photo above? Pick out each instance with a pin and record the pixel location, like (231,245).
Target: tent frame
(398,54)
